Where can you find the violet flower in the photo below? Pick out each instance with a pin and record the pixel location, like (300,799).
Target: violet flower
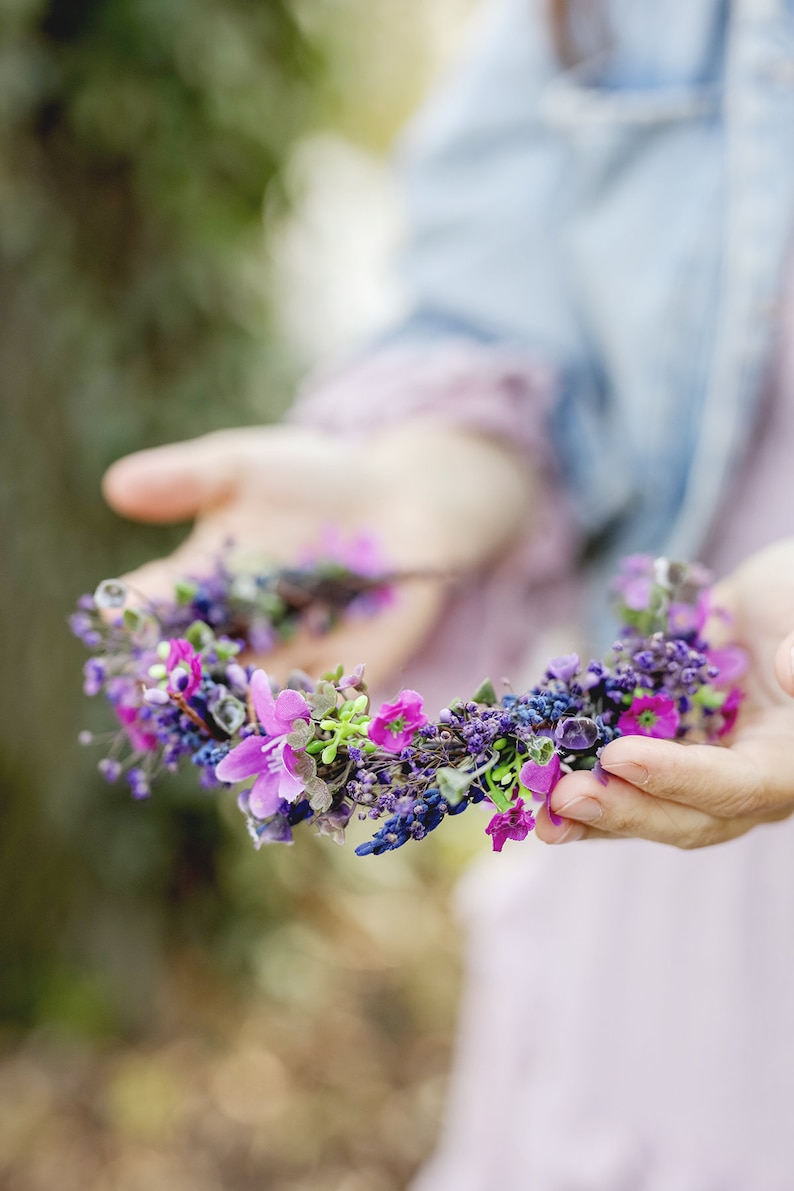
(565,667)
(540,780)
(651,715)
(394,724)
(268,758)
(515,823)
(183,666)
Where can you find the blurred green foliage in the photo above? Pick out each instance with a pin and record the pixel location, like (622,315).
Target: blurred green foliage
(142,150)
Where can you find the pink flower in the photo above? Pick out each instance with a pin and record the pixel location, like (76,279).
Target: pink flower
(540,780)
(651,715)
(183,666)
(730,710)
(270,758)
(731,661)
(515,823)
(360,553)
(395,723)
(139,738)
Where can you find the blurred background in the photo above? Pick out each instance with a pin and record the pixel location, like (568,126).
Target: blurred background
(194,208)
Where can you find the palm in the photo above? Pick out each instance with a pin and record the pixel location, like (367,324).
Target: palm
(272,491)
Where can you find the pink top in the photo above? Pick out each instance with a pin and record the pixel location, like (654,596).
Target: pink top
(628,1012)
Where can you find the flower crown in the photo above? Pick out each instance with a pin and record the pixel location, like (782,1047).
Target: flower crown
(317,751)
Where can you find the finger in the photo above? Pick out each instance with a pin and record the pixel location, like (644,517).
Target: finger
(750,778)
(784,664)
(175,482)
(618,809)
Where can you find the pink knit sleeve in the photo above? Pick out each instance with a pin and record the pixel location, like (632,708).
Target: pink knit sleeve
(490,622)
(492,390)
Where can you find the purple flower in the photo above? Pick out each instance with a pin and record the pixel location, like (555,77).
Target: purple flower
(93,676)
(564,667)
(683,619)
(515,823)
(395,723)
(268,758)
(651,715)
(183,666)
(540,780)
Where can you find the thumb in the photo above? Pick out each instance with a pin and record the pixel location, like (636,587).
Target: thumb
(175,482)
(784,664)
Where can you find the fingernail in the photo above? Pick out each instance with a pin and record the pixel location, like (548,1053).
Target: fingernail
(585,810)
(630,771)
(574,832)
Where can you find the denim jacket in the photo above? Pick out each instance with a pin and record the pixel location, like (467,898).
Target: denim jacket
(627,221)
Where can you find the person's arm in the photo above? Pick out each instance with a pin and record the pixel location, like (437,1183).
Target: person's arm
(695,795)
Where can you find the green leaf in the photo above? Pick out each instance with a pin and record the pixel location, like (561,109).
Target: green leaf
(485,693)
(452,783)
(320,797)
(540,749)
(185,590)
(199,634)
(300,735)
(329,753)
(133,619)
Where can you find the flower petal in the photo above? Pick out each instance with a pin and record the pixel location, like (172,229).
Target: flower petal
(540,779)
(264,703)
(243,761)
(290,706)
(264,798)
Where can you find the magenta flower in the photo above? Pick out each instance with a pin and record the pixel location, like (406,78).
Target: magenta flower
(183,666)
(730,710)
(540,780)
(515,823)
(269,757)
(395,723)
(651,715)
(731,661)
(137,735)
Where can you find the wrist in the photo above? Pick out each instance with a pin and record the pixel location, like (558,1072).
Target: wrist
(452,499)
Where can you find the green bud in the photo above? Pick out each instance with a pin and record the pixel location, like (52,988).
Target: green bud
(157,671)
(710,697)
(163,650)
(329,753)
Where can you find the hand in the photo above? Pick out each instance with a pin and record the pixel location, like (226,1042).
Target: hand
(695,795)
(440,500)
